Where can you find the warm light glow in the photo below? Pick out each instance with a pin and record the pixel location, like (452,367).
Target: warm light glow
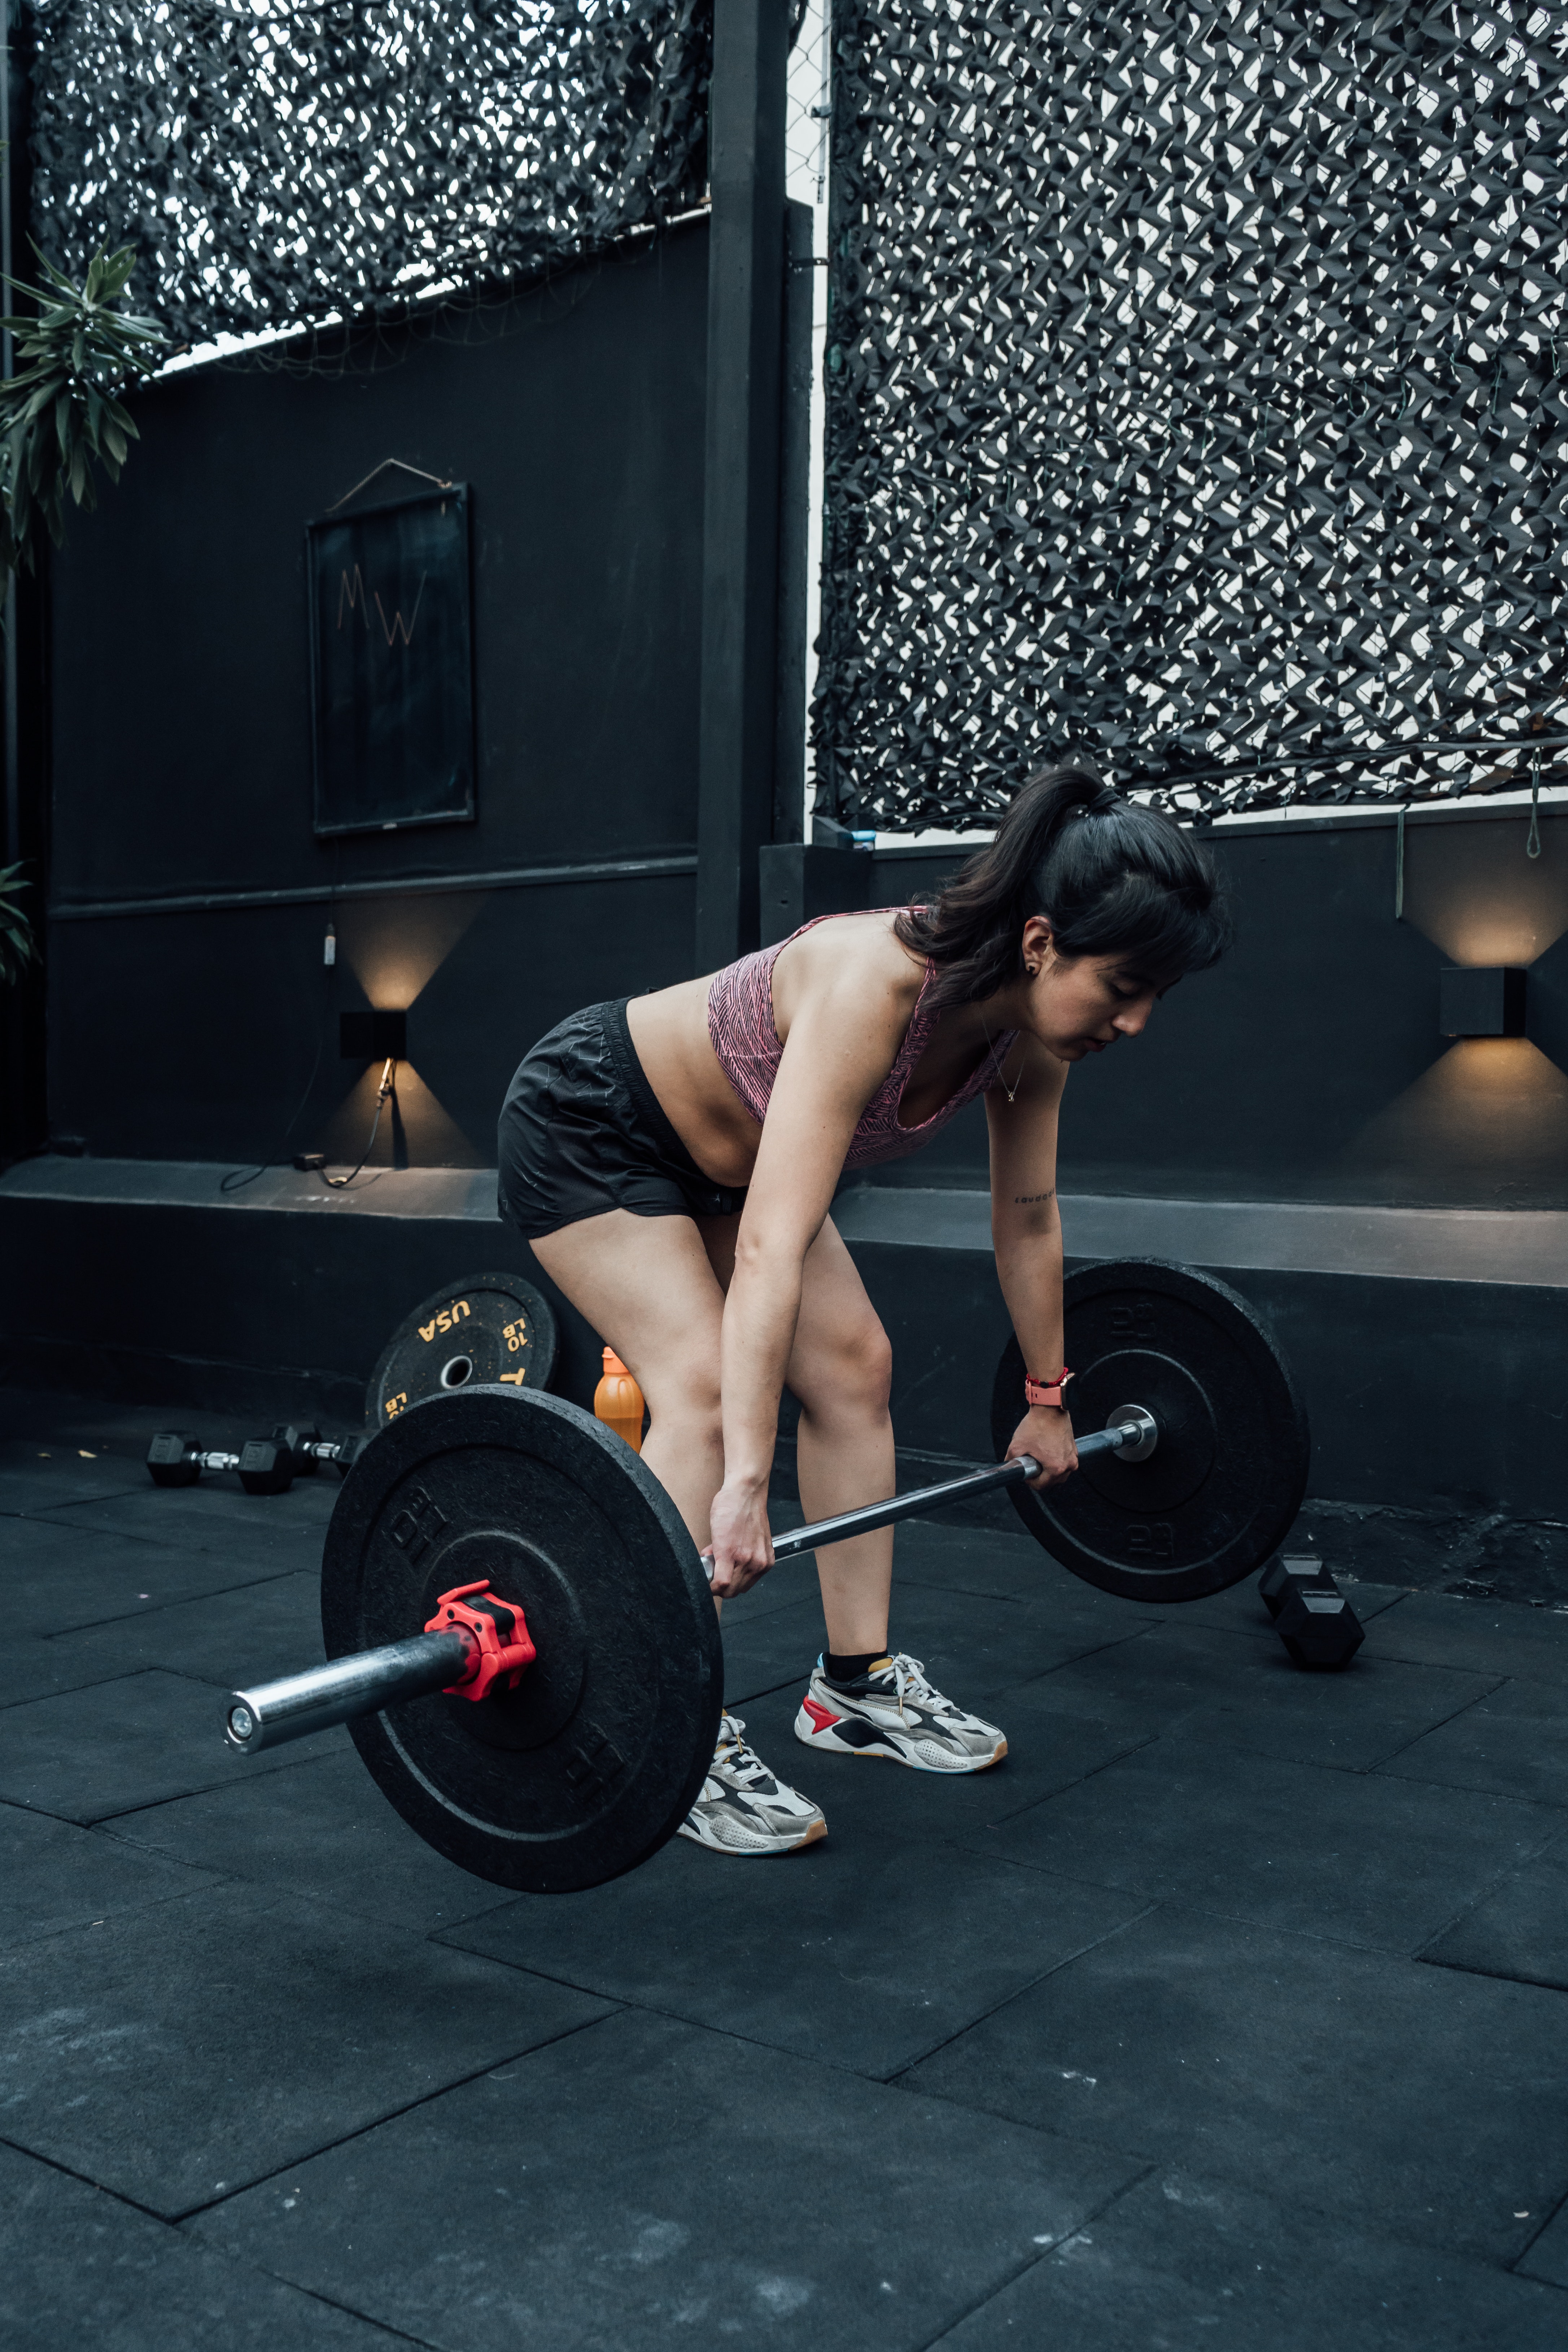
(1477,896)
(431,1137)
(1493,935)
(1491,1116)
(394,945)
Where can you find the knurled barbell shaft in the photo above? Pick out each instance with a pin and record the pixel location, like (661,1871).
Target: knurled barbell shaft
(291,1708)
(930,1498)
(297,1704)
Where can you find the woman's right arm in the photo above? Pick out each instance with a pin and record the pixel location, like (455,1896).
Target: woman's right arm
(845,1031)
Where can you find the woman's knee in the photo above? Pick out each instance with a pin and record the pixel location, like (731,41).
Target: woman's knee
(854,1376)
(683,1398)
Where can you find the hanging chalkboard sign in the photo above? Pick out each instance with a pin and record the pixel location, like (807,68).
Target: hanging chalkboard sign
(392,665)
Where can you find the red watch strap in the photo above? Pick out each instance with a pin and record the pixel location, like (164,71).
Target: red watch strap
(1051,1392)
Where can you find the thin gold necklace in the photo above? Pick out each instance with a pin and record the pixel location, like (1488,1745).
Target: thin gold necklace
(1011,1092)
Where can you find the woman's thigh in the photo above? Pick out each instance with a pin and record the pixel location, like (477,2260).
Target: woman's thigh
(648,1288)
(840,1355)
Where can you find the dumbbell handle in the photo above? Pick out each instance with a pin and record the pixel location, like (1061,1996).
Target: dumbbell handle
(1127,1434)
(217,1461)
(297,1704)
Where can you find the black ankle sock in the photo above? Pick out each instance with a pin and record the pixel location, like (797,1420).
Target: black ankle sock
(845,1668)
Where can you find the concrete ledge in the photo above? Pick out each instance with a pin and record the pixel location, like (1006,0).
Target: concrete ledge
(1493,1245)
(142,1279)
(1432,1345)
(445,1193)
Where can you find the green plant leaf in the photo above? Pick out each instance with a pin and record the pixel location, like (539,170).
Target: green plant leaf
(61,415)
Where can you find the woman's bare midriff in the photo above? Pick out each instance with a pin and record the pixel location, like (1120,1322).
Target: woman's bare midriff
(669,1029)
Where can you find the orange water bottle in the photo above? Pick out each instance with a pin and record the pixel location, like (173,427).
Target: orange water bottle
(618,1402)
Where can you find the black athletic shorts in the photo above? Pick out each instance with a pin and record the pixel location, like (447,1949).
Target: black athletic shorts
(582,1131)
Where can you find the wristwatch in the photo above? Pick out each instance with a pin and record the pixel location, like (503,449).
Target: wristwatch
(1051,1392)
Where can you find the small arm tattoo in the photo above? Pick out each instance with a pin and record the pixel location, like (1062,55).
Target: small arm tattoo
(1029,1199)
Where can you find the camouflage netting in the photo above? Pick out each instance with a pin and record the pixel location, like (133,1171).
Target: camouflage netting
(274,163)
(1196,398)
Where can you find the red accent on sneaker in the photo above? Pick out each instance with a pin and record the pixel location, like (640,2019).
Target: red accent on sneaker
(823,1716)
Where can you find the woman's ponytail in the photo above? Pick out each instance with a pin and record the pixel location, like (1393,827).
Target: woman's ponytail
(1113,876)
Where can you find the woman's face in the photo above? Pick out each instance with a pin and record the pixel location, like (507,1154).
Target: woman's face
(1078,1005)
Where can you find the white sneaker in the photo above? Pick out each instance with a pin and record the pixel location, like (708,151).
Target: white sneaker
(893,1711)
(743,1809)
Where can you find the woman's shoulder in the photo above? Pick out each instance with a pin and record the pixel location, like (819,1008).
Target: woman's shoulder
(862,943)
(855,958)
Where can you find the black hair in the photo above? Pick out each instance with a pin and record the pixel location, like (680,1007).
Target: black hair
(1113,876)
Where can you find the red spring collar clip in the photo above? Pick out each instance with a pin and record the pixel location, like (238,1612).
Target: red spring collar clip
(499,1646)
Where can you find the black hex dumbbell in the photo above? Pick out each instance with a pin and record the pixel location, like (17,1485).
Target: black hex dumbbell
(1290,1572)
(175,1458)
(1320,1629)
(342,1453)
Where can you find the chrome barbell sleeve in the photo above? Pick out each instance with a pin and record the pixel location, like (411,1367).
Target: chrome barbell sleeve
(297,1704)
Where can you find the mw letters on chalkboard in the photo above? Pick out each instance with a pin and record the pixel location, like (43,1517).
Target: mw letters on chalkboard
(392,665)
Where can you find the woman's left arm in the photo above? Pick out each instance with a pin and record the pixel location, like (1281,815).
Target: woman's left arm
(1026,1235)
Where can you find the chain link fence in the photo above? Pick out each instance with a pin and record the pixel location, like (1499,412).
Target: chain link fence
(277,164)
(1196,384)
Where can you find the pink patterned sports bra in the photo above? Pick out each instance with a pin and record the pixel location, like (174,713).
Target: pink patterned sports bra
(741,1024)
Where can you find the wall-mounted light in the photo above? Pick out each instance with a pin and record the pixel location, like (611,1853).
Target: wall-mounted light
(373,1036)
(1481,1000)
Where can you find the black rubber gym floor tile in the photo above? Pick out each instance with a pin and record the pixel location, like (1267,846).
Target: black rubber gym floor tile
(78,2268)
(177,2053)
(861,1953)
(1483,1637)
(1548,2258)
(775,1647)
(1260,1701)
(1360,1858)
(42,1478)
(1240,1611)
(87,1754)
(247,1635)
(54,1876)
(31,1667)
(645,2183)
(1192,2265)
(1515,1740)
(1245,1694)
(1520,1929)
(280,1531)
(55,1578)
(1053,1742)
(1004,1565)
(324,1833)
(1433,2104)
(972,1645)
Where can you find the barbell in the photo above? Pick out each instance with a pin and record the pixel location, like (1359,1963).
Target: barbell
(520,1631)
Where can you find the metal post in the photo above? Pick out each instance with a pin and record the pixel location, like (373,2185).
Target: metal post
(794,505)
(741,513)
(24,1112)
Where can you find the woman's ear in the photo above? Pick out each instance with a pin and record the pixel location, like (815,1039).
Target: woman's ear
(1039,943)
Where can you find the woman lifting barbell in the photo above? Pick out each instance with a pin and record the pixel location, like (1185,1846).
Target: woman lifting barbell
(672,1159)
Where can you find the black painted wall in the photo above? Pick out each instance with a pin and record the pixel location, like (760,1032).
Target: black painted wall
(181,722)
(1308,1065)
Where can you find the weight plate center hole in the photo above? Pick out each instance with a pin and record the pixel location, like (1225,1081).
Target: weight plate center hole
(457,1371)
